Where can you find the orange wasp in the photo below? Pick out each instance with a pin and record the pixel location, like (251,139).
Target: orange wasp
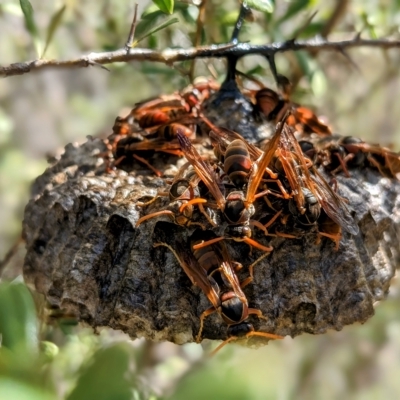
(215,273)
(351,152)
(163,139)
(201,90)
(237,206)
(185,187)
(164,109)
(310,190)
(274,106)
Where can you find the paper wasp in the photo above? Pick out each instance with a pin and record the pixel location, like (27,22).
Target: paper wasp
(215,273)
(237,206)
(351,152)
(185,189)
(164,109)
(162,139)
(152,124)
(311,191)
(273,107)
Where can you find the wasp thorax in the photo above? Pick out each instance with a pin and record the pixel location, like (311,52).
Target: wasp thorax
(235,211)
(308,149)
(351,144)
(233,309)
(311,211)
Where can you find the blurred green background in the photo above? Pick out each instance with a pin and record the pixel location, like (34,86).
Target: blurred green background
(41,112)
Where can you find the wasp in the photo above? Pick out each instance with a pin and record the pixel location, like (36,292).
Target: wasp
(201,90)
(163,139)
(351,152)
(215,273)
(311,192)
(185,189)
(165,109)
(273,107)
(237,206)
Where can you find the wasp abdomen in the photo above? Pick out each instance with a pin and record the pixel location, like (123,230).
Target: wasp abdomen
(237,163)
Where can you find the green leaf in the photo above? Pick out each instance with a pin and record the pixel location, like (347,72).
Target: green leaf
(147,21)
(156,29)
(18,325)
(51,29)
(311,30)
(106,377)
(13,389)
(257,70)
(30,24)
(229,18)
(166,6)
(294,8)
(211,385)
(261,5)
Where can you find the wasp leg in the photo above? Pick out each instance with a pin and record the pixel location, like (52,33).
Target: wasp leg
(147,164)
(284,195)
(342,165)
(260,226)
(253,243)
(273,219)
(251,270)
(285,235)
(335,237)
(147,203)
(207,243)
(203,315)
(153,215)
(377,165)
(191,202)
(203,211)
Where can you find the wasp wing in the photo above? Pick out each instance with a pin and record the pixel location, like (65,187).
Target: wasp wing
(203,169)
(334,206)
(262,163)
(194,271)
(226,267)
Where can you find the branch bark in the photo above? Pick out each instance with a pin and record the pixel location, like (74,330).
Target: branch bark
(170,56)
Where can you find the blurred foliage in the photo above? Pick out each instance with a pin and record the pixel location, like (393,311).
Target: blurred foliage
(48,358)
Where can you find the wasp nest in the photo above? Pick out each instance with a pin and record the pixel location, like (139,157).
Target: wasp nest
(86,256)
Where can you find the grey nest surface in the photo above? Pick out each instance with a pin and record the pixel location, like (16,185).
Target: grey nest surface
(86,257)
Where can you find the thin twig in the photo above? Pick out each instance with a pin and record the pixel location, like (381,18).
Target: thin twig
(128,44)
(199,30)
(10,254)
(244,12)
(338,13)
(169,56)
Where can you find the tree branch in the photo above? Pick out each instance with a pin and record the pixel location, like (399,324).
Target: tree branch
(169,56)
